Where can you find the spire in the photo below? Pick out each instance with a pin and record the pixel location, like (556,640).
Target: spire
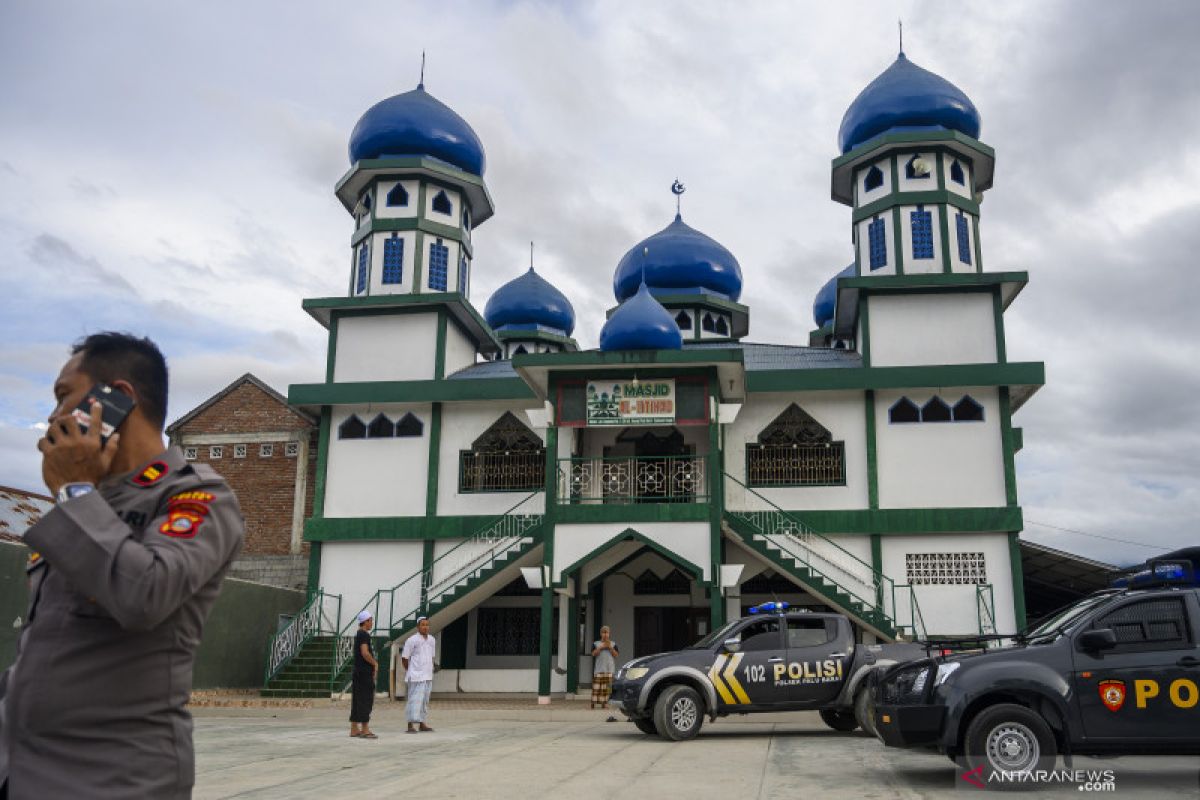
(421,83)
(900,24)
(531,256)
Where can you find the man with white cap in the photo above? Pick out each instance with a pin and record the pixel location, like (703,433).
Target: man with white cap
(366,670)
(417,658)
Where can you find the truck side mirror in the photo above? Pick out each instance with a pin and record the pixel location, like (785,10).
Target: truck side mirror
(731,645)
(1097,640)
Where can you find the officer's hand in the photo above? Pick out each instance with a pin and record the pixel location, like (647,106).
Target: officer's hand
(72,456)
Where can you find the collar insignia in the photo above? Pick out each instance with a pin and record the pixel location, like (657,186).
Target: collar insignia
(151,475)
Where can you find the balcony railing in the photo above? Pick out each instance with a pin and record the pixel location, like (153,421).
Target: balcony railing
(633,479)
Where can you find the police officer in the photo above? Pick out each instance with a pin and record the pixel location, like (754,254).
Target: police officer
(125,569)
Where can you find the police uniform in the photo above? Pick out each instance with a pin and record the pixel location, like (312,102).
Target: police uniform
(120,584)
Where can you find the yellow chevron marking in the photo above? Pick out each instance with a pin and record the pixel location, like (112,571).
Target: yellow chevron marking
(731,677)
(714,674)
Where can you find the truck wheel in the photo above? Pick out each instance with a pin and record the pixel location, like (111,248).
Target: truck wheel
(1008,738)
(645,725)
(839,720)
(678,713)
(864,710)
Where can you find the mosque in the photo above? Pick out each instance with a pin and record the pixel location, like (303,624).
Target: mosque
(484,471)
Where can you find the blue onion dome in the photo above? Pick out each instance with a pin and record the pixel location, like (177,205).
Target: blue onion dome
(904,96)
(641,323)
(417,124)
(682,259)
(529,302)
(826,300)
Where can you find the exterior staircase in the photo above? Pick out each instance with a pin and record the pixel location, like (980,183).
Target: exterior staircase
(824,568)
(314,655)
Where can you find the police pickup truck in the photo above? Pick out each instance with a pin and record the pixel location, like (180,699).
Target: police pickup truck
(772,660)
(1118,672)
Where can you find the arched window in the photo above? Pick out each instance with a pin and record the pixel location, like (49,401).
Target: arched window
(466,219)
(674,582)
(903,411)
(708,323)
(967,410)
(409,425)
(364,264)
(520,351)
(683,321)
(873,180)
(381,428)
(439,264)
(935,410)
(722,327)
(877,241)
(508,457)
(393,259)
(956,173)
(795,450)
(352,428)
(441,203)
(398,196)
(916,168)
(922,233)
(964,238)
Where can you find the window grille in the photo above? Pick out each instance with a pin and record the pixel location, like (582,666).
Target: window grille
(352,428)
(511,631)
(439,263)
(964,239)
(393,259)
(876,238)
(674,582)
(191,453)
(381,428)
(922,233)
(239,451)
(1148,621)
(409,426)
(956,173)
(904,410)
(291,449)
(216,452)
(945,568)
(364,263)
(795,450)
(441,203)
(507,457)
(398,196)
(266,450)
(722,327)
(873,180)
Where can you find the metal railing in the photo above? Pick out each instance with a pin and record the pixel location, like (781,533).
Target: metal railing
(633,479)
(513,471)
(796,464)
(312,620)
(417,593)
(985,609)
(914,621)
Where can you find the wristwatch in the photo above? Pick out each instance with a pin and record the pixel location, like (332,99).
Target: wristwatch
(69,491)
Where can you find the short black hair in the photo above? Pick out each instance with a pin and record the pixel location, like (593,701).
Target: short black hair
(112,356)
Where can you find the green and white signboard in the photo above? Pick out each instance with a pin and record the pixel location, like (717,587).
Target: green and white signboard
(616,402)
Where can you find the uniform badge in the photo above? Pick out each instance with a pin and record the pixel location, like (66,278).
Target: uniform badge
(152,474)
(34,561)
(1112,694)
(185,513)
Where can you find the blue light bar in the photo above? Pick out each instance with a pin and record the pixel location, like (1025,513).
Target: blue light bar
(771,607)
(1159,573)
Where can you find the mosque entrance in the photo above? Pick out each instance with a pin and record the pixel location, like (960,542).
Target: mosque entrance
(660,629)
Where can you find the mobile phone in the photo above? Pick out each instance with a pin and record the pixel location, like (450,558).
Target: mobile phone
(115,408)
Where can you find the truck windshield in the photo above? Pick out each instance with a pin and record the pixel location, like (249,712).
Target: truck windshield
(719,635)
(1064,617)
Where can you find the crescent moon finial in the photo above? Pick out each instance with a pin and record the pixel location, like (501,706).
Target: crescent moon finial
(677,188)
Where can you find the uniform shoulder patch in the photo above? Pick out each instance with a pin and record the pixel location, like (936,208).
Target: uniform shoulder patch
(34,561)
(154,472)
(186,511)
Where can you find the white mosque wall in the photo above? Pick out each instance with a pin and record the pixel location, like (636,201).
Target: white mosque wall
(864,245)
(384,211)
(387,347)
(689,540)
(920,329)
(884,189)
(956,263)
(843,414)
(454,218)
(355,570)
(462,424)
(961,189)
(596,439)
(377,477)
(940,464)
(952,609)
(377,286)
(920,266)
(460,352)
(925,184)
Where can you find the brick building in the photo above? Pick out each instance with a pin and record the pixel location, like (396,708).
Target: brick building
(267,453)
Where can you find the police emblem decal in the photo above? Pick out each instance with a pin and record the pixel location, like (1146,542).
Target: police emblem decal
(151,475)
(185,512)
(1112,694)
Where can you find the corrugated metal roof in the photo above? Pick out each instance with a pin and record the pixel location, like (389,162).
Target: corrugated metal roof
(484,369)
(785,356)
(19,510)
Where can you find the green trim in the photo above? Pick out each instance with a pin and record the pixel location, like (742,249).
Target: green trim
(597,597)
(330,529)
(783,380)
(1018,579)
(426,566)
(1006,439)
(546,633)
(539,336)
(910,137)
(1018,439)
(716,472)
(435,445)
(545,642)
(864,319)
(439,355)
(357,393)
(419,246)
(904,521)
(978,248)
(322,463)
(877,566)
(998,314)
(872,452)
(638,512)
(314,568)
(322,309)
(627,535)
(944,217)
(897,227)
(408,224)
(616,358)
(331,351)
(934,280)
(933,197)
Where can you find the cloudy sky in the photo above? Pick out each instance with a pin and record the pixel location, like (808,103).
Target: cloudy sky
(168,167)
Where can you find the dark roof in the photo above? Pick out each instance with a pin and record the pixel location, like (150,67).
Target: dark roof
(247,378)
(19,510)
(1054,578)
(484,369)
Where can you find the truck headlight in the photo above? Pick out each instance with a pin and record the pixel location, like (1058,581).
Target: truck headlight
(907,686)
(634,673)
(944,671)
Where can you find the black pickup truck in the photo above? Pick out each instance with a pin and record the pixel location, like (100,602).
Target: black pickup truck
(773,660)
(1118,672)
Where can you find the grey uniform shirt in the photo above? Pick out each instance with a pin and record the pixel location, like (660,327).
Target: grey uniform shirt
(120,585)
